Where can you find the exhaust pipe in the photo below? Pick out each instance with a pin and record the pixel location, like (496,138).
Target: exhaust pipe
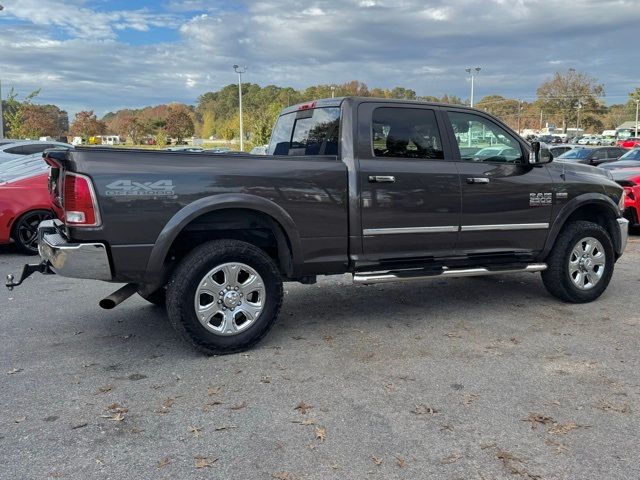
(119,296)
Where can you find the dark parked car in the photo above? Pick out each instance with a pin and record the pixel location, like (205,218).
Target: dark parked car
(629,159)
(592,156)
(386,190)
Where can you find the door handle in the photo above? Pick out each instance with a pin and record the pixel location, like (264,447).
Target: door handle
(477,180)
(381,179)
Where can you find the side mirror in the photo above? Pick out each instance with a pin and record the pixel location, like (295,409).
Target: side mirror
(539,155)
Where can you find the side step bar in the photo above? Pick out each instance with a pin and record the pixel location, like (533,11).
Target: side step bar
(411,275)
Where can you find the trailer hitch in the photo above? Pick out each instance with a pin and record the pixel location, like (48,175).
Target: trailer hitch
(30,268)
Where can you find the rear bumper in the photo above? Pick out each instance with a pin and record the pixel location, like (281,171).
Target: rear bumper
(623,226)
(77,260)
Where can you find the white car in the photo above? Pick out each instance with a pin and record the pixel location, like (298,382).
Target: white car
(20,148)
(590,140)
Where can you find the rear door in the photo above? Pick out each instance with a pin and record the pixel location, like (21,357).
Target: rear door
(410,189)
(506,202)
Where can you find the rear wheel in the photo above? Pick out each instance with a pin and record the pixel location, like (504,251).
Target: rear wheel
(580,264)
(224,296)
(25,230)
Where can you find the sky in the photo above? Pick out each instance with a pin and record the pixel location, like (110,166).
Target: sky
(110,54)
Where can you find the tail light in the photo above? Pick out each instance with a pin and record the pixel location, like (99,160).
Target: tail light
(79,201)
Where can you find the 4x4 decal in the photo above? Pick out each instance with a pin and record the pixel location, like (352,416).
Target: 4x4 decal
(133,188)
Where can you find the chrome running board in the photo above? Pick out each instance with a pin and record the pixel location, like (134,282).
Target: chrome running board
(411,275)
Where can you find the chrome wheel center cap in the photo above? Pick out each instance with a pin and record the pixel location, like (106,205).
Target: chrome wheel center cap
(587,264)
(231,299)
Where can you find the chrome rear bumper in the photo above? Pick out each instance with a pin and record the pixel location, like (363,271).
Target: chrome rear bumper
(77,260)
(623,225)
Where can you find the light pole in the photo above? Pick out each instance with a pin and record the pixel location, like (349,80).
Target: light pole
(578,119)
(240,70)
(470,71)
(637,105)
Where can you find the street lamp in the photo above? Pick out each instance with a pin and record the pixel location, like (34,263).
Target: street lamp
(578,119)
(637,105)
(470,71)
(240,70)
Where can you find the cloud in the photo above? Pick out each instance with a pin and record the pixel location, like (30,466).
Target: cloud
(81,58)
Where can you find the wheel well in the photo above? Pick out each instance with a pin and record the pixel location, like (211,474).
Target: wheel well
(247,225)
(599,214)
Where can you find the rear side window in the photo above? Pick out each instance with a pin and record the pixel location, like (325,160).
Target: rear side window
(406,133)
(307,132)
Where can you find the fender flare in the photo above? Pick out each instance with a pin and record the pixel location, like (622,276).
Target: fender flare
(592,198)
(204,205)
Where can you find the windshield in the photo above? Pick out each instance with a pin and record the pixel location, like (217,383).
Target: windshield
(575,154)
(631,155)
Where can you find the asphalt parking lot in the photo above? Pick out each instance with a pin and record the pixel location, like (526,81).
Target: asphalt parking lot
(476,378)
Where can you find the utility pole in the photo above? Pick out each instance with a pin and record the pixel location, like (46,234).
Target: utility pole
(333,91)
(578,119)
(540,119)
(519,114)
(470,71)
(240,70)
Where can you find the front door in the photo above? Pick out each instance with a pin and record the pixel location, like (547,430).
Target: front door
(410,190)
(506,202)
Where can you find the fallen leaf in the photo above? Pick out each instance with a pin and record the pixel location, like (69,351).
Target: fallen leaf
(335,466)
(469,398)
(238,406)
(163,462)
(204,462)
(454,457)
(282,476)
(20,419)
(538,419)
(560,447)
(136,376)
(213,390)
(196,431)
(79,425)
(376,460)
(563,428)
(608,407)
(447,428)
(208,406)
(303,407)
(105,389)
(168,403)
(422,409)
(13,371)
(321,433)
(452,335)
(118,417)
(400,461)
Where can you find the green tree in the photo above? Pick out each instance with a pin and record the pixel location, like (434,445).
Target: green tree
(566,93)
(14,111)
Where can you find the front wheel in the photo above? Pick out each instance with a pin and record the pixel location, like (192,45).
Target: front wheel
(580,264)
(224,296)
(25,230)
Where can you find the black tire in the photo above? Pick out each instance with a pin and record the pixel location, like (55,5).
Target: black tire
(556,277)
(25,230)
(157,297)
(183,286)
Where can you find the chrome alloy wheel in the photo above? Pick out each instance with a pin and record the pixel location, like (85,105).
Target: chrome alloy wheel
(587,263)
(230,298)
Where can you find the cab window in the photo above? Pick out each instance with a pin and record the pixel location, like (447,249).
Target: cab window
(307,132)
(406,133)
(481,140)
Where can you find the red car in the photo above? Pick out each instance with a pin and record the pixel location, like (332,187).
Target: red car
(629,179)
(24,202)
(632,142)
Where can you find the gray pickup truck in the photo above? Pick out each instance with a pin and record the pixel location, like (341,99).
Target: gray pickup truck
(385,190)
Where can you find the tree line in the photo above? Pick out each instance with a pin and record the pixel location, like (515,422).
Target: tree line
(566,99)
